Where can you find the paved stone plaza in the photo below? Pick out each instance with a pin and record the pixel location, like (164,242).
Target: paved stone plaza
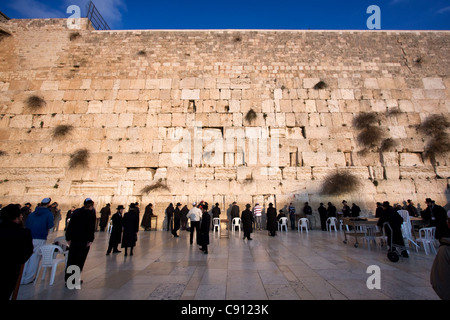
(299,266)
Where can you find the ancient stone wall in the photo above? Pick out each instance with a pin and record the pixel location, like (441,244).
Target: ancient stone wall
(220,116)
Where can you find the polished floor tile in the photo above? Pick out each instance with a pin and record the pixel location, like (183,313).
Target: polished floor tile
(291,266)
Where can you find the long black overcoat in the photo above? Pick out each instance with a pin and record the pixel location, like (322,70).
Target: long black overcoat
(130,228)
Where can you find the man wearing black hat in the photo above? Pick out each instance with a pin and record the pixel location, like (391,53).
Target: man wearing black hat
(176,220)
(16,246)
(80,234)
(436,216)
(395,221)
(116,232)
(247,221)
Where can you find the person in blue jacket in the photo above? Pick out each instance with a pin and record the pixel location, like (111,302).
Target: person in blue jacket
(40,221)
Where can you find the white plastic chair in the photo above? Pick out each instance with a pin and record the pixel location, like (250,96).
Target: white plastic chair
(370,235)
(283,222)
(331,222)
(405,215)
(236,222)
(303,223)
(216,224)
(49,261)
(382,237)
(426,236)
(406,229)
(110,225)
(62,243)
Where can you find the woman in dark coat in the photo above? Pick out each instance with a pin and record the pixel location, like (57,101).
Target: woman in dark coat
(247,221)
(116,231)
(130,229)
(272,224)
(146,222)
(203,237)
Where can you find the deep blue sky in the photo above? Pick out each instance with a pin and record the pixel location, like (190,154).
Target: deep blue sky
(246,14)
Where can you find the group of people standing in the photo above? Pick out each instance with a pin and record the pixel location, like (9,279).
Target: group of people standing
(124,230)
(331,211)
(20,242)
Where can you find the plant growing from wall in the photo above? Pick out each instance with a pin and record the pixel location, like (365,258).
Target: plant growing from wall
(435,127)
(62,130)
(339,183)
(250,116)
(35,102)
(388,144)
(320,85)
(370,134)
(79,159)
(157,185)
(74,35)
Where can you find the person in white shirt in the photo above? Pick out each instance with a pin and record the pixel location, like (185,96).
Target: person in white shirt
(195,215)
(257,212)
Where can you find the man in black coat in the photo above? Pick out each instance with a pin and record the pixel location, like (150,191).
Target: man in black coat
(16,246)
(130,228)
(203,236)
(116,231)
(323,217)
(176,220)
(80,234)
(234,211)
(247,221)
(395,221)
(436,216)
(356,210)
(105,212)
(272,224)
(146,222)
(331,210)
(169,216)
(345,209)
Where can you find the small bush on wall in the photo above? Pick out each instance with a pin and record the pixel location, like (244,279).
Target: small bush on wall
(62,130)
(79,159)
(34,102)
(157,185)
(340,183)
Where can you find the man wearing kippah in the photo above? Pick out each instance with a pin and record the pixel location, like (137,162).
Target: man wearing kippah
(40,221)
(80,235)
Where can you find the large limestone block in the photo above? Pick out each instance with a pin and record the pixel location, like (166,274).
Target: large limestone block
(394,188)
(410,159)
(336,159)
(179,174)
(312,159)
(135,160)
(422,172)
(433,83)
(188,94)
(317,133)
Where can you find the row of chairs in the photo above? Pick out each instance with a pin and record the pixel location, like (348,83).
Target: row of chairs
(282,224)
(302,224)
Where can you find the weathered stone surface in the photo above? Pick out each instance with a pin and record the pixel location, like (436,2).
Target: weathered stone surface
(138,116)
